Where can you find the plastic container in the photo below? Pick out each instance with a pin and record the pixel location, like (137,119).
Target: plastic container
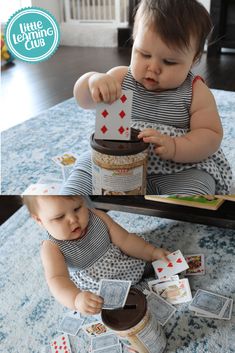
(119,167)
(135,325)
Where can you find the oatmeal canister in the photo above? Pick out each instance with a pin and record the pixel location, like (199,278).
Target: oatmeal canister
(135,325)
(119,167)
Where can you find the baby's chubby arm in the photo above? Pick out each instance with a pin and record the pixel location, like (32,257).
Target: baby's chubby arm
(94,87)
(205,134)
(62,287)
(206,131)
(131,244)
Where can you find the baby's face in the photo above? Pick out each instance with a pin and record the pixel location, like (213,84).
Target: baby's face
(155,65)
(63,218)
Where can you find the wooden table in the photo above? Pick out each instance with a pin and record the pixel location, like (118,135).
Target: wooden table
(224,217)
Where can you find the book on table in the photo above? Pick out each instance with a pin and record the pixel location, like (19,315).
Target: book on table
(209,202)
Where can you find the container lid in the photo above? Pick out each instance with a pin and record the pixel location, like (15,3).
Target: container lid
(130,315)
(119,148)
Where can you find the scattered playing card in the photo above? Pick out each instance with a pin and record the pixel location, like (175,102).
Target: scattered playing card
(104,341)
(175,292)
(70,325)
(114,293)
(209,303)
(163,280)
(113,121)
(226,316)
(112,349)
(196,264)
(160,308)
(95,329)
(66,161)
(61,344)
(43,189)
(175,265)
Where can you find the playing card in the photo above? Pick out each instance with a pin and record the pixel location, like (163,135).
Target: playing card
(114,293)
(175,265)
(163,280)
(43,189)
(175,292)
(66,161)
(61,344)
(160,308)
(196,264)
(95,329)
(104,341)
(70,325)
(209,303)
(226,316)
(112,349)
(113,121)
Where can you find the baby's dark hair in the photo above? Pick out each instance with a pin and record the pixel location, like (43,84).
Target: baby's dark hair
(176,21)
(31,201)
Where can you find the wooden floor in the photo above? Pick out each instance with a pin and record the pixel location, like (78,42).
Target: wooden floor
(28,89)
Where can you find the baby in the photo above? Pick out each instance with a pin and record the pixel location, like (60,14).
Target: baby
(83,246)
(173,108)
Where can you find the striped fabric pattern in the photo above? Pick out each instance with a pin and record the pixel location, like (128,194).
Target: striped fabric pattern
(169,107)
(83,253)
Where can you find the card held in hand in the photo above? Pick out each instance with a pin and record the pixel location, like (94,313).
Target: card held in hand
(175,265)
(113,121)
(114,293)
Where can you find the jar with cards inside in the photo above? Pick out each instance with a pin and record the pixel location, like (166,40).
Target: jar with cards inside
(119,167)
(135,325)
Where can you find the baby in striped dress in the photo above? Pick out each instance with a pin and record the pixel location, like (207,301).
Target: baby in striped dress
(83,246)
(174,109)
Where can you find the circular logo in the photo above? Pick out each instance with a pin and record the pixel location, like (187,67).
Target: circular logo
(32,34)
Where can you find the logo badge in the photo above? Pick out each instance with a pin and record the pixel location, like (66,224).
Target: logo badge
(32,34)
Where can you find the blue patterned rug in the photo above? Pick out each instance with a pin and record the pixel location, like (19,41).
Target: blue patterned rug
(27,148)
(29,316)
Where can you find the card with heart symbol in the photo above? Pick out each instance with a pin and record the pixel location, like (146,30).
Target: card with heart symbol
(176,264)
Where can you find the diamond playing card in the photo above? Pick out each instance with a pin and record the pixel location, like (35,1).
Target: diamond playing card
(61,344)
(113,121)
(176,264)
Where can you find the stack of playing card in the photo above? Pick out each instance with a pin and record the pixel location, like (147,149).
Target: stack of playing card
(114,293)
(106,344)
(211,305)
(113,121)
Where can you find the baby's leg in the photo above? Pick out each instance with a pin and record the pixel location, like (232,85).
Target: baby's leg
(80,180)
(189,182)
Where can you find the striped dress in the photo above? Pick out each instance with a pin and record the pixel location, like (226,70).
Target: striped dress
(94,257)
(169,113)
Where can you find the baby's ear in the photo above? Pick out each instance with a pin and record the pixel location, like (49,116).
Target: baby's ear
(36,218)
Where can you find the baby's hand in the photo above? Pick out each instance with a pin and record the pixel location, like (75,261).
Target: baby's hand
(104,88)
(160,254)
(88,303)
(165,145)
